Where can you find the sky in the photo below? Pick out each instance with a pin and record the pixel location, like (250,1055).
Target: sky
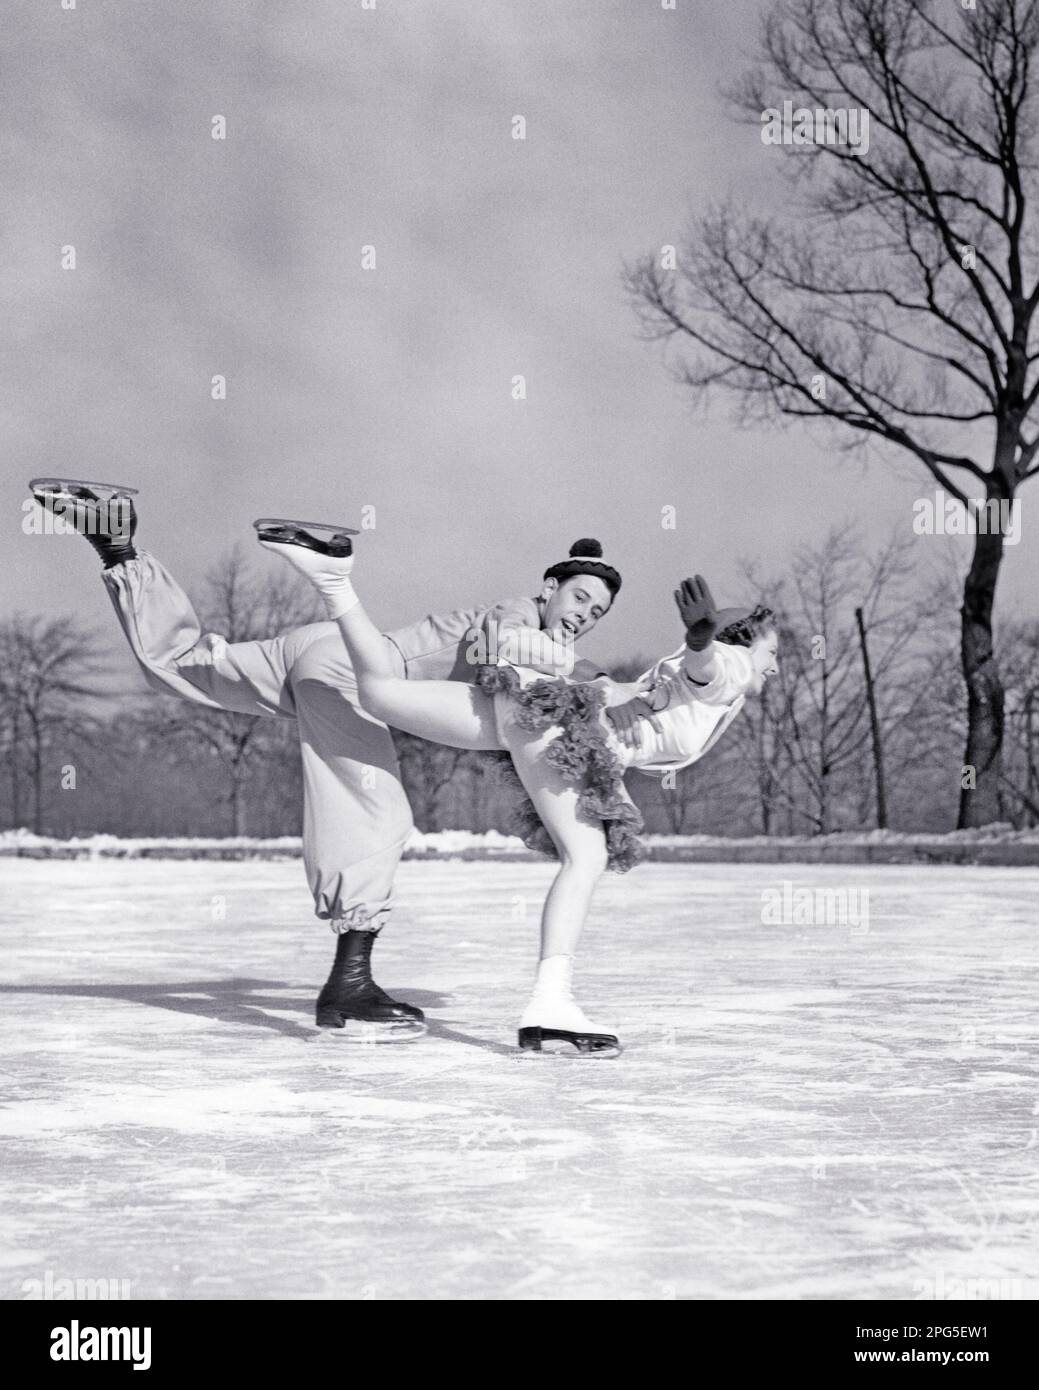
(392,388)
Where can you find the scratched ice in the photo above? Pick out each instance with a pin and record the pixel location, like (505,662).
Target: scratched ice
(830,1110)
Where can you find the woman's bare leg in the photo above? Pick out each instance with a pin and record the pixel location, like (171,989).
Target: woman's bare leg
(448,712)
(581,845)
(457,714)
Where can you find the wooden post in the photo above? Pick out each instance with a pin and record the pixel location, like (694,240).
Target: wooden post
(878,758)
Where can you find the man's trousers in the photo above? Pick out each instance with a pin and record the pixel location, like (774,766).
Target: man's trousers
(356,816)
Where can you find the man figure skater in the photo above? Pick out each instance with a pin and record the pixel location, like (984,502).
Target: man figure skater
(356,816)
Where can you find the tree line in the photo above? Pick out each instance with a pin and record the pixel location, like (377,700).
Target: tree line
(84,755)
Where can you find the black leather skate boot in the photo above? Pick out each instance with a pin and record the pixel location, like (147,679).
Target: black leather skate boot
(351,999)
(102,512)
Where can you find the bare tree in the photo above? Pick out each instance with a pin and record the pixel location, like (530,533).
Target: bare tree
(676,795)
(896,299)
(760,736)
(1019,660)
(809,735)
(48,670)
(427,769)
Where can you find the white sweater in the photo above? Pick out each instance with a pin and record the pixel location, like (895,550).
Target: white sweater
(692,717)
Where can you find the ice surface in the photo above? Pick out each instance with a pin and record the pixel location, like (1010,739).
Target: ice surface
(807,1111)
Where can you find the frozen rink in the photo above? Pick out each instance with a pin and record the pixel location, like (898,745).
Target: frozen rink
(840,1111)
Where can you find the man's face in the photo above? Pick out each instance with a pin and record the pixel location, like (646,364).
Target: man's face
(575,606)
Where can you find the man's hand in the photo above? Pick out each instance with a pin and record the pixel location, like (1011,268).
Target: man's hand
(699,613)
(617,692)
(628,719)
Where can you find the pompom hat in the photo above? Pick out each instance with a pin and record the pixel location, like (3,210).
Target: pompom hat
(586,558)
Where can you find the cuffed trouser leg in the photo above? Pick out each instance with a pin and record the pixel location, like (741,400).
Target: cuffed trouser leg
(177,658)
(356,816)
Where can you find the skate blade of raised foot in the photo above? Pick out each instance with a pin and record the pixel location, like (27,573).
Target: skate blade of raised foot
(283,523)
(60,488)
(311,535)
(374,1034)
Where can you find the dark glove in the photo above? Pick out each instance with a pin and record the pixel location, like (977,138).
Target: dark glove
(699,613)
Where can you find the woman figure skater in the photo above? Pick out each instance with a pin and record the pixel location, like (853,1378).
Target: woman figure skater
(356,815)
(570,742)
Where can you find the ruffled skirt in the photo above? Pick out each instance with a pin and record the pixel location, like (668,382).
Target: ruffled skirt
(582,752)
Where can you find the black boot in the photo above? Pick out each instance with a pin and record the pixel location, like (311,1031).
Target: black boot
(350,995)
(108,522)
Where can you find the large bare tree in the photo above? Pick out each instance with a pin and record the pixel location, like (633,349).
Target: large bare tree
(894,293)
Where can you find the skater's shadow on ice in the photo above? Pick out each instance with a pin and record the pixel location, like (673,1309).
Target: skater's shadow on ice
(245,1001)
(437,1029)
(227,1001)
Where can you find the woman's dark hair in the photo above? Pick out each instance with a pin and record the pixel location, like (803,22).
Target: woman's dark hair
(746,630)
(586,558)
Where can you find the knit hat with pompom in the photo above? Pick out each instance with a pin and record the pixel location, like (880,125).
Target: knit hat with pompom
(586,558)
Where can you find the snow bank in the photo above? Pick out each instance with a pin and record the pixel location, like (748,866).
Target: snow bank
(444,844)
(992,844)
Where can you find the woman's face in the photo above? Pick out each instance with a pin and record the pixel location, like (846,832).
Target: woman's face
(763,658)
(576,605)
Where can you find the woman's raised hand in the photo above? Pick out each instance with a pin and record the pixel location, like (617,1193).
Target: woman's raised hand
(699,612)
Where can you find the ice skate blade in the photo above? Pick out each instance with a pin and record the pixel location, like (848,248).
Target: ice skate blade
(279,530)
(557,1042)
(362,1033)
(60,489)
